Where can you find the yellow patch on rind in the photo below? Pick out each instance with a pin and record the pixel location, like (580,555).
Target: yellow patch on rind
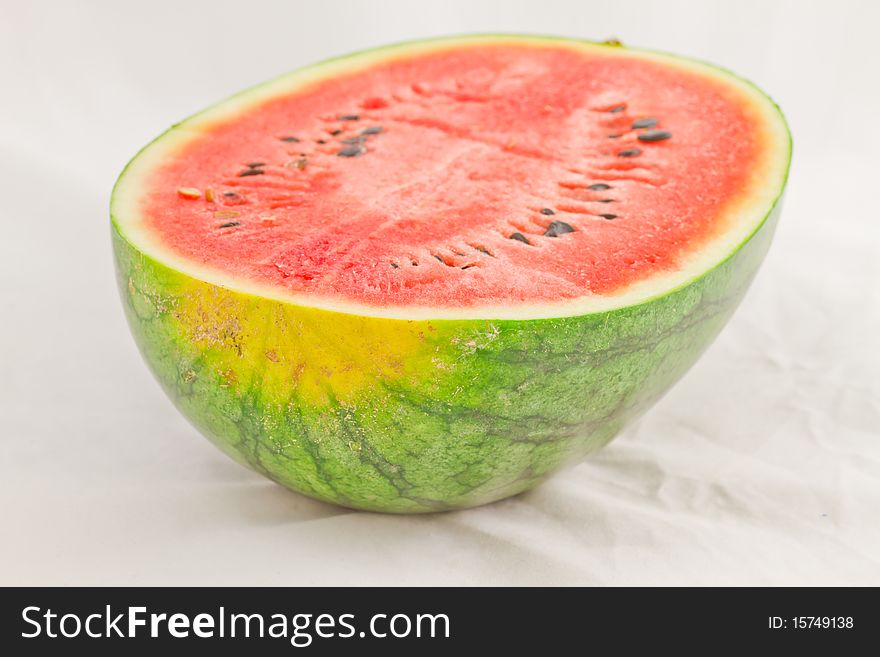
(287,350)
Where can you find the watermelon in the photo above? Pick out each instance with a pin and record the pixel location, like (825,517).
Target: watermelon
(427,276)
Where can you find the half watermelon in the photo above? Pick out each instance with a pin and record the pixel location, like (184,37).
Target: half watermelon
(426,276)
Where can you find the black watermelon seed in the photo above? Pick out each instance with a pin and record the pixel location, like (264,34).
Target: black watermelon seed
(467,266)
(251,172)
(290,139)
(631,152)
(231,224)
(254,165)
(599,187)
(336,132)
(321,141)
(372,130)
(547,211)
(557,228)
(483,249)
(614,136)
(616,109)
(519,237)
(440,259)
(394,265)
(644,123)
(605,200)
(230,194)
(353,140)
(348,117)
(609,217)
(352,151)
(655,135)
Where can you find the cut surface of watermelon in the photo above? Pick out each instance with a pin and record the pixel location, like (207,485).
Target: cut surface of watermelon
(481,177)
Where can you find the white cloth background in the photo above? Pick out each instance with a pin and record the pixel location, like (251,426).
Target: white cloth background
(761,467)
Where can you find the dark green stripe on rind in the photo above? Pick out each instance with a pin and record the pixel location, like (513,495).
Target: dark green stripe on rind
(456,413)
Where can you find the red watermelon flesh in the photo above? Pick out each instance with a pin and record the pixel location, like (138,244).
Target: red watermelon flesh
(480,174)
